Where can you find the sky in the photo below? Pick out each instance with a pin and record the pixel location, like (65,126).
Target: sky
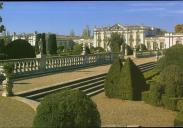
(62,16)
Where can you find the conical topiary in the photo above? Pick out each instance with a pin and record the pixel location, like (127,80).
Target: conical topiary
(131,82)
(112,78)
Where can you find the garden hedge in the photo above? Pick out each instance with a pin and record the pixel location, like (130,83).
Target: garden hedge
(172,78)
(19,49)
(131,82)
(67,109)
(173,55)
(112,79)
(178,122)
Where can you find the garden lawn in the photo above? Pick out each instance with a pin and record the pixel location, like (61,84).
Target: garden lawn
(14,114)
(125,112)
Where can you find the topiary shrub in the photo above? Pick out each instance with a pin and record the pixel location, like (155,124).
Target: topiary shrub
(171,102)
(112,78)
(178,122)
(172,78)
(156,92)
(131,83)
(52,44)
(173,56)
(19,49)
(180,105)
(146,96)
(67,109)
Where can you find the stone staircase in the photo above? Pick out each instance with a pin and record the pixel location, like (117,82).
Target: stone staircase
(91,85)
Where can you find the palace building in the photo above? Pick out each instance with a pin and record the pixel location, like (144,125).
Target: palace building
(151,37)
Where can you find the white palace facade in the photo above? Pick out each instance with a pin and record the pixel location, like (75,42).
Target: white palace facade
(151,37)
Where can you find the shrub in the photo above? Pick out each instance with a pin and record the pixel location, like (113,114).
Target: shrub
(171,102)
(115,42)
(8,69)
(131,82)
(173,56)
(19,49)
(2,45)
(52,44)
(146,96)
(129,50)
(77,49)
(3,56)
(112,78)
(180,105)
(172,78)
(142,46)
(178,122)
(67,109)
(156,92)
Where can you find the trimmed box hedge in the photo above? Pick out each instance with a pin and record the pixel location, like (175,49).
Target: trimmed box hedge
(171,102)
(178,122)
(146,96)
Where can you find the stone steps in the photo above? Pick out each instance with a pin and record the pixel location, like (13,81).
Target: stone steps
(91,85)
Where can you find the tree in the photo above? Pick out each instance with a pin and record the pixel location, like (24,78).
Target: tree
(19,49)
(77,49)
(72,33)
(2,46)
(60,49)
(52,44)
(179,28)
(38,37)
(86,32)
(43,37)
(2,27)
(115,42)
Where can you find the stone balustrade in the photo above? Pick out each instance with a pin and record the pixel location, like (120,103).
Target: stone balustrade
(32,66)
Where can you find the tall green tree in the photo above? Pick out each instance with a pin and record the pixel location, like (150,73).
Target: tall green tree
(115,42)
(43,37)
(52,44)
(2,27)
(38,37)
(86,32)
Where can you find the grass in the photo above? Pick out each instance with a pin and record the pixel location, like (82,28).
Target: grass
(14,113)
(150,74)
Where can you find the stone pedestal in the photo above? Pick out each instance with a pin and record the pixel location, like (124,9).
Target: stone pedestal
(7,87)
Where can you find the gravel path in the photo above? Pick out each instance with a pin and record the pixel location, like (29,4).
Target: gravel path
(125,112)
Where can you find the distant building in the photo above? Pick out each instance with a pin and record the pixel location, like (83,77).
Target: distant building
(88,42)
(133,34)
(31,38)
(151,37)
(66,41)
